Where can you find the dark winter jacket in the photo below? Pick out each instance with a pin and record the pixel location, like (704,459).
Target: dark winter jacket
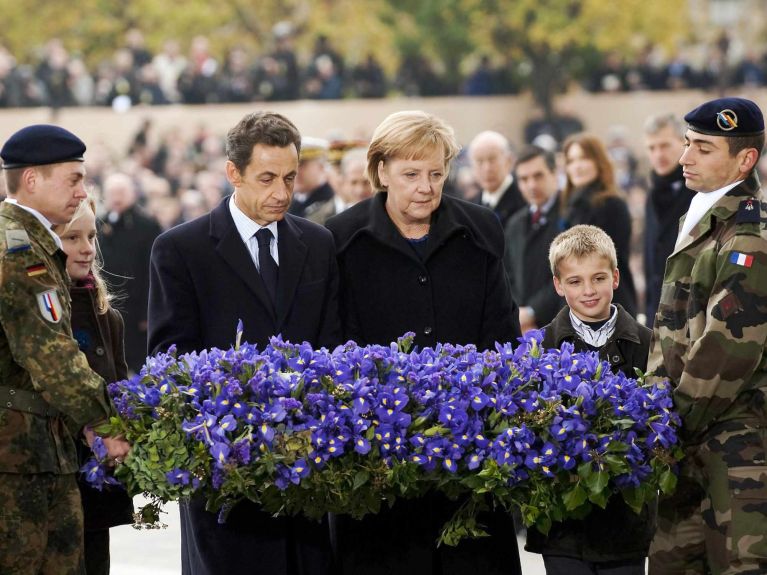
(527,262)
(615,533)
(100,337)
(457,293)
(668,200)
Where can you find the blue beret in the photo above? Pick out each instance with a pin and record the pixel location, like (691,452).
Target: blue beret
(39,145)
(730,117)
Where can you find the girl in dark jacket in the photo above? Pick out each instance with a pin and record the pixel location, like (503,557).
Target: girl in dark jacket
(591,197)
(98,328)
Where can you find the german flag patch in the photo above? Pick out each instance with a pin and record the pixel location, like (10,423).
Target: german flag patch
(36,270)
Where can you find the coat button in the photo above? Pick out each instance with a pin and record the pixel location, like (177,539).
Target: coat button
(422,279)
(616,359)
(427,330)
(99,351)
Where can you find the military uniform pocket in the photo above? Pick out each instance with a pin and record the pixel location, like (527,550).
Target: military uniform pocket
(748,526)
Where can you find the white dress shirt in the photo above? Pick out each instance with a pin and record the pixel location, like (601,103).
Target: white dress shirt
(700,204)
(247,229)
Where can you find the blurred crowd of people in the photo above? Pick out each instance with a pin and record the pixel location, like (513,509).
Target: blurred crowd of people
(195,74)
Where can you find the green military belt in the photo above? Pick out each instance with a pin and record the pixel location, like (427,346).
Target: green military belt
(26,401)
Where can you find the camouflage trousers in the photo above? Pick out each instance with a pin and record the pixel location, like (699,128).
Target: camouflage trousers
(716,521)
(41,525)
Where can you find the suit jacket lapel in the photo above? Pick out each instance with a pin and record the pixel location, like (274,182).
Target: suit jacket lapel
(293,253)
(234,252)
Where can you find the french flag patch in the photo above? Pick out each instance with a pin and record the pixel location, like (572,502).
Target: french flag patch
(740,259)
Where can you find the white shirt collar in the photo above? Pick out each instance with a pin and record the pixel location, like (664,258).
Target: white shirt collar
(491,198)
(701,203)
(42,219)
(595,338)
(245,226)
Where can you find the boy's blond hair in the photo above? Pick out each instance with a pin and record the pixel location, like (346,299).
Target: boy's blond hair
(579,242)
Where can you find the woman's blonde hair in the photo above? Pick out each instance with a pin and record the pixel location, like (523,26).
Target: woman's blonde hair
(595,150)
(410,135)
(103,297)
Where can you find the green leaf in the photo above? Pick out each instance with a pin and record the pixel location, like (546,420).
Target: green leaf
(575,497)
(667,481)
(360,479)
(597,482)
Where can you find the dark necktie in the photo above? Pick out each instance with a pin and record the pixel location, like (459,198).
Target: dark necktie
(267,267)
(535,217)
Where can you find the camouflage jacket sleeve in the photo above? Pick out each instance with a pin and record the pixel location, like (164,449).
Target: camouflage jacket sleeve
(35,316)
(725,355)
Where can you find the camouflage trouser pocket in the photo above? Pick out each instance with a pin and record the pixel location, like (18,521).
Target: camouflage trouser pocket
(748,525)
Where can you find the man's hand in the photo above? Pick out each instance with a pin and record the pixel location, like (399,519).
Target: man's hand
(117,447)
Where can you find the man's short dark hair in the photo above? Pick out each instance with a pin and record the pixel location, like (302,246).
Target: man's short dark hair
(531,152)
(267,128)
(738,143)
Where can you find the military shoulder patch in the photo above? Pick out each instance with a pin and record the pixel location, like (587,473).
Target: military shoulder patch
(741,259)
(50,306)
(748,212)
(17,241)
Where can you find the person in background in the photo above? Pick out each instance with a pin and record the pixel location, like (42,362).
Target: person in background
(413,259)
(710,342)
(529,233)
(668,200)
(125,237)
(98,329)
(591,197)
(353,186)
(492,160)
(312,186)
(584,266)
(47,393)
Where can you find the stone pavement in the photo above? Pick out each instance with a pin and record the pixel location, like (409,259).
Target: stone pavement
(159,552)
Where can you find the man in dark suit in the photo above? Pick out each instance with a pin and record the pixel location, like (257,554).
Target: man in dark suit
(248,259)
(125,238)
(491,162)
(529,233)
(668,199)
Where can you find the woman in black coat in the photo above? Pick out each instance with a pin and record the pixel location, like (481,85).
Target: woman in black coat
(591,197)
(98,329)
(414,260)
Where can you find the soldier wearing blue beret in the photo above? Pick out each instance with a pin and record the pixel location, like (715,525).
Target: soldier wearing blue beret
(47,390)
(710,341)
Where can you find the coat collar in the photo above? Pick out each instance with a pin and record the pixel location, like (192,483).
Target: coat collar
(34,227)
(625,326)
(448,219)
(724,209)
(234,252)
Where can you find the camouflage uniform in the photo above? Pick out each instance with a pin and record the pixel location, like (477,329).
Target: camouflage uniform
(710,334)
(47,392)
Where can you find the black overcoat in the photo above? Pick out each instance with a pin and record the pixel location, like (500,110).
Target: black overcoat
(125,247)
(527,262)
(202,281)
(511,201)
(455,292)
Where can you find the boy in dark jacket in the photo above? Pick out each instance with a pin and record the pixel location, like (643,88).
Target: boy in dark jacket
(614,540)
